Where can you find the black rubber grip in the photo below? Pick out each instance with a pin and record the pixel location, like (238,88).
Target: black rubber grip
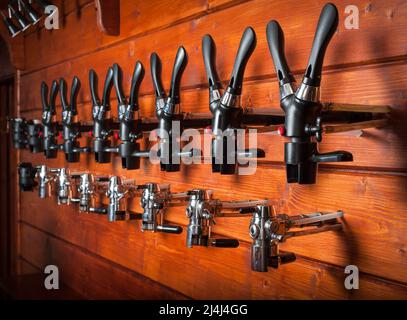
(155,68)
(107,89)
(93,85)
(327,24)
(63,94)
(225,243)
(209,56)
(275,40)
(180,63)
(76,86)
(53,96)
(169,229)
(138,76)
(246,48)
(44,96)
(117,80)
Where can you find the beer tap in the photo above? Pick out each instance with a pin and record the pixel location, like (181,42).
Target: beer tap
(19,132)
(129,118)
(35,136)
(302,106)
(168,111)
(226,109)
(26,176)
(116,191)
(64,192)
(202,210)
(45,177)
(70,123)
(154,200)
(268,230)
(88,188)
(102,122)
(49,123)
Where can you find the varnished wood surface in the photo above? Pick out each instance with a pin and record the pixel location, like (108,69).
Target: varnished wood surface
(362,67)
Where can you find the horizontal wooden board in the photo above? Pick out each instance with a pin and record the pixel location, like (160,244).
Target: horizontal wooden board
(96,278)
(344,85)
(166,259)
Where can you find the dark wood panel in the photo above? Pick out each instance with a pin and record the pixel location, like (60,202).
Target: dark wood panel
(166,259)
(96,278)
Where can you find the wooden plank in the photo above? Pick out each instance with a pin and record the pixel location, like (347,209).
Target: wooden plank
(374,206)
(80,30)
(344,85)
(201,273)
(94,277)
(347,47)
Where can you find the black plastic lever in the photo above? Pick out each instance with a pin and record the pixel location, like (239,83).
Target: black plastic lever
(138,76)
(246,48)
(209,56)
(169,229)
(225,243)
(93,84)
(71,105)
(275,40)
(156,68)
(49,105)
(180,63)
(335,156)
(327,24)
(117,80)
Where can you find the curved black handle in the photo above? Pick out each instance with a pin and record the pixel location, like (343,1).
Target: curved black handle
(225,243)
(209,56)
(63,94)
(117,80)
(155,66)
(107,89)
(275,40)
(327,24)
(335,156)
(246,48)
(76,86)
(181,60)
(53,96)
(138,76)
(169,229)
(44,96)
(93,84)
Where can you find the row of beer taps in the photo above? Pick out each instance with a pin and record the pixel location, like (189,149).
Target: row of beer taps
(302,107)
(267,228)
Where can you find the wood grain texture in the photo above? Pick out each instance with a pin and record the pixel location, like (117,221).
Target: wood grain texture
(97,278)
(165,258)
(362,67)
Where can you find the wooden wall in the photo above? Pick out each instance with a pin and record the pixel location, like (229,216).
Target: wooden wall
(115,260)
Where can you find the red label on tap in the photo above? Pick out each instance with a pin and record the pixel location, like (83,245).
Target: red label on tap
(281,131)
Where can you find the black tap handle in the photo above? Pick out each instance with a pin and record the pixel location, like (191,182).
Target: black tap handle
(93,84)
(44,96)
(225,243)
(63,94)
(76,86)
(102,179)
(155,66)
(53,96)
(138,76)
(335,156)
(246,48)
(275,40)
(180,63)
(327,24)
(209,56)
(117,80)
(107,89)
(169,229)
